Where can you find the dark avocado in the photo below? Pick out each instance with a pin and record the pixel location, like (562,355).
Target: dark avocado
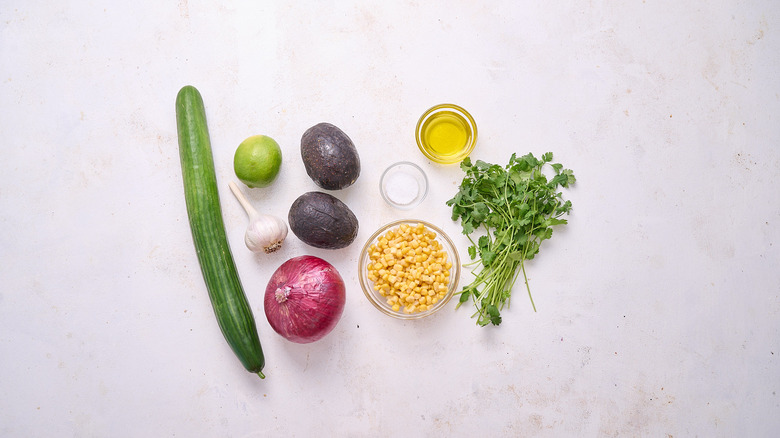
(322,221)
(330,157)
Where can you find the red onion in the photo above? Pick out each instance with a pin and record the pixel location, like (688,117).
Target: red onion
(304,299)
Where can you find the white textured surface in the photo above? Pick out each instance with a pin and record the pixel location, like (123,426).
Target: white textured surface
(659,305)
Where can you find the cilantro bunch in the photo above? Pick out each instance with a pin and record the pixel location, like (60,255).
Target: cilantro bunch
(517,206)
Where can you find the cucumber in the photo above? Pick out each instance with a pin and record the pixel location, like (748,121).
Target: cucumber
(231,307)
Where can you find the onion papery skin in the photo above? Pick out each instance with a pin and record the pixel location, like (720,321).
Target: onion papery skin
(304,299)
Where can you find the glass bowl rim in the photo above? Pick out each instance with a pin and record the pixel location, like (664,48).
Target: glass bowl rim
(418,200)
(452,158)
(448,245)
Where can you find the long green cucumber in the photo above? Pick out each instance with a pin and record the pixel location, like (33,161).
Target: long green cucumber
(227,296)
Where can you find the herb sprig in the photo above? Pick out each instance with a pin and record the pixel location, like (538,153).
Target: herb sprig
(517,206)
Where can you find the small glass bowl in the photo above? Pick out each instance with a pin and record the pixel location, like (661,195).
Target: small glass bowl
(378,300)
(403,185)
(446,133)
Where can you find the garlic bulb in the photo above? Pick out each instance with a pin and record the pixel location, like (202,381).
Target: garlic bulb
(264,232)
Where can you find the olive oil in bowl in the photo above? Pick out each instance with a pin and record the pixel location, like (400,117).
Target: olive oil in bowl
(446,134)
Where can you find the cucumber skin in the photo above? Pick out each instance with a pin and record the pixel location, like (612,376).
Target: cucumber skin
(227,296)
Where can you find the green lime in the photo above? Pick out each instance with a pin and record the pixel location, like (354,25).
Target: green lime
(257,161)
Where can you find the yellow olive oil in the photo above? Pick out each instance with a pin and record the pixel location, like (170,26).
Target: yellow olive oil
(446,133)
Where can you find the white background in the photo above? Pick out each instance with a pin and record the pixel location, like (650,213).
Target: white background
(658,305)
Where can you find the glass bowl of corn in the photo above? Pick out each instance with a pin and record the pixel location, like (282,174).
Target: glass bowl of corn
(409,269)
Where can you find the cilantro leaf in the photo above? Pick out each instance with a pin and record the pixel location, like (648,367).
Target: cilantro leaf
(495,315)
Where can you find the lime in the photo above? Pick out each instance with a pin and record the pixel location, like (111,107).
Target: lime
(257,161)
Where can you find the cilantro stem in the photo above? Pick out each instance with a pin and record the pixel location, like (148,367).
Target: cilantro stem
(522,268)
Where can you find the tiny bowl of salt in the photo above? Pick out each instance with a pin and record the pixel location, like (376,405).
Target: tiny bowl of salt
(403,185)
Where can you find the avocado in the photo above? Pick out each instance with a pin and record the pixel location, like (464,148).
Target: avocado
(321,220)
(330,157)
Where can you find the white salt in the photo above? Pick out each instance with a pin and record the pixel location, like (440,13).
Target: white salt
(401,188)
